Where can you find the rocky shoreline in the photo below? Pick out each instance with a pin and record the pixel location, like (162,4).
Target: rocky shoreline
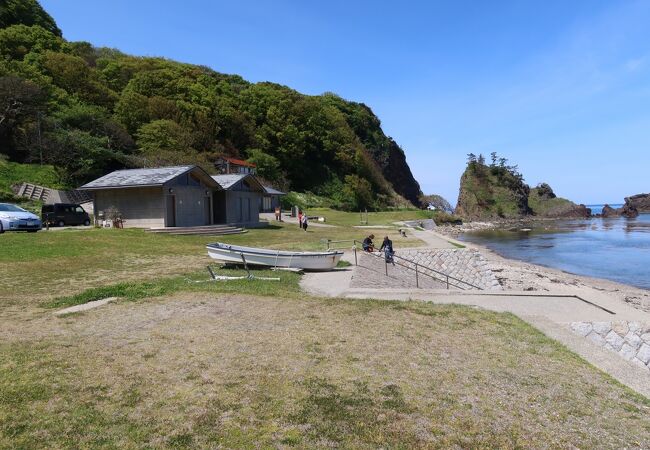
(455,230)
(518,275)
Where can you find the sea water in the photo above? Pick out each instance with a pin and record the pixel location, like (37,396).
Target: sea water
(617,249)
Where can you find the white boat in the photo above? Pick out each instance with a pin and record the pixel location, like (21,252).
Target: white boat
(232,254)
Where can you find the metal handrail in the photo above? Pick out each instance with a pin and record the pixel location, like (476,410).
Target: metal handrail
(440,276)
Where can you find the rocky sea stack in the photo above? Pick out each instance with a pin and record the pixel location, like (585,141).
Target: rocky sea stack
(498,191)
(627,210)
(640,201)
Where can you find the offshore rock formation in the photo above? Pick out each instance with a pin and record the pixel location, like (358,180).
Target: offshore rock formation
(640,201)
(627,210)
(498,191)
(491,192)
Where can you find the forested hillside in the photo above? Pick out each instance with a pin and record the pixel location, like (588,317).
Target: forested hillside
(90,110)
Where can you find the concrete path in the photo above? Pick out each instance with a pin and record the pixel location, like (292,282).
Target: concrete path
(294,220)
(330,284)
(78,228)
(433,240)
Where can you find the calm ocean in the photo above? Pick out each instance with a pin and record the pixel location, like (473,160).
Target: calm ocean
(616,249)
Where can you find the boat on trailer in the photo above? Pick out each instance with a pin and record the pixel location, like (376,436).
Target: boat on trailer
(236,254)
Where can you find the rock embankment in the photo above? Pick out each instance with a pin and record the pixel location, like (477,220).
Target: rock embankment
(630,340)
(468,267)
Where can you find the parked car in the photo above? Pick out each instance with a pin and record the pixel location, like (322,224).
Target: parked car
(62,214)
(14,218)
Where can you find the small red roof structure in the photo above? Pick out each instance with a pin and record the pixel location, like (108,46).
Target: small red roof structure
(228,165)
(239,162)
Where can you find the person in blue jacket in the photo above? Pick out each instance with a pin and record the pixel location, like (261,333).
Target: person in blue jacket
(387,248)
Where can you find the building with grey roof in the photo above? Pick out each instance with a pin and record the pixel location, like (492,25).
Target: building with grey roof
(240,199)
(271,199)
(179,196)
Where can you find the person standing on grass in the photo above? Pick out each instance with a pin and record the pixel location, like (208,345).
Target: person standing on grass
(300,218)
(305,222)
(387,248)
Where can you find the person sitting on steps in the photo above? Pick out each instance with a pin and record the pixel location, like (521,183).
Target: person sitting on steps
(387,248)
(368,246)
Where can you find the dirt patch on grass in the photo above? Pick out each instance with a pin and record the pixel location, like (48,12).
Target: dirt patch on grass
(202,369)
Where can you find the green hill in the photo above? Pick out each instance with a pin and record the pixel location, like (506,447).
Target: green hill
(497,190)
(26,12)
(89,110)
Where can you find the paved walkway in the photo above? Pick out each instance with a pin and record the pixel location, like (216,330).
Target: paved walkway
(287,218)
(553,312)
(433,240)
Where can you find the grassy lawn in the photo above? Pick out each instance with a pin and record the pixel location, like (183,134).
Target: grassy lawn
(201,370)
(65,262)
(253,364)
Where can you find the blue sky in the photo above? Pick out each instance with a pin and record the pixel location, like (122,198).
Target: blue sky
(561,88)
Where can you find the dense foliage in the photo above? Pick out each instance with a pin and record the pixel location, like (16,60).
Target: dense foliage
(26,12)
(91,110)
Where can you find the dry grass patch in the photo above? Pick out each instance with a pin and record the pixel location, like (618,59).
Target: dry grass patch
(206,370)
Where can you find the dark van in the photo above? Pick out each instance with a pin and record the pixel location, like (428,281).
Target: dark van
(62,214)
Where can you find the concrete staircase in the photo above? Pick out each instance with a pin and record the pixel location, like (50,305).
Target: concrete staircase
(34,192)
(48,195)
(207,230)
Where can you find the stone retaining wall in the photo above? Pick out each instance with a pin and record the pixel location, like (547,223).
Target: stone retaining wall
(631,340)
(464,264)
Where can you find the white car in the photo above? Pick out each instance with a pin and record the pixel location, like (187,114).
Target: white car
(14,218)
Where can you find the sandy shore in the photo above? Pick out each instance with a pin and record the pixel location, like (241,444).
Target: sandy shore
(524,276)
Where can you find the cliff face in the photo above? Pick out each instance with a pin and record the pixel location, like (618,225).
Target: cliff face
(398,173)
(641,202)
(498,191)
